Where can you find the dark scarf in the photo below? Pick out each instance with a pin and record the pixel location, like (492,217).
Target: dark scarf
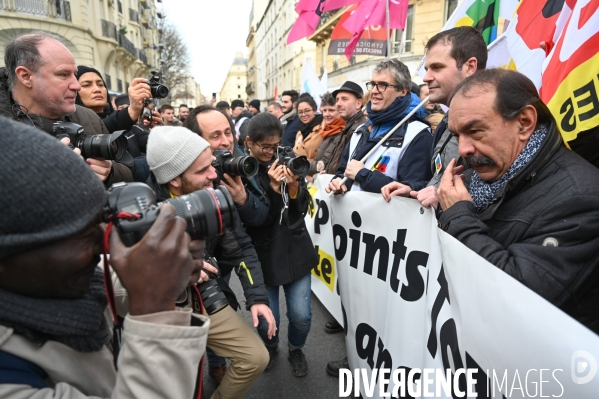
(392,113)
(78,323)
(108,108)
(307,129)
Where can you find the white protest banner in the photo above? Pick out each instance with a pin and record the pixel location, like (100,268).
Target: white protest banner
(417,303)
(318,223)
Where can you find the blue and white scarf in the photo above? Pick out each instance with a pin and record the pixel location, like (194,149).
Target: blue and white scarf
(482,193)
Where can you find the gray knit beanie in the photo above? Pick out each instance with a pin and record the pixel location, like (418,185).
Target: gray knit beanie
(49,192)
(171,150)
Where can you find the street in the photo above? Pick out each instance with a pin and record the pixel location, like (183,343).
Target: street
(279,382)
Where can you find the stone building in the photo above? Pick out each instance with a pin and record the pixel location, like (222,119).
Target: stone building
(120,38)
(234,87)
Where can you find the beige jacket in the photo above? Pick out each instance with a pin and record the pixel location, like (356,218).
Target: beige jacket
(159,358)
(308,146)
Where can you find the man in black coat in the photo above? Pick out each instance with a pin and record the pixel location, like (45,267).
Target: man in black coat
(527,204)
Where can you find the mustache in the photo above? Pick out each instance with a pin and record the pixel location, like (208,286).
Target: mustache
(474,160)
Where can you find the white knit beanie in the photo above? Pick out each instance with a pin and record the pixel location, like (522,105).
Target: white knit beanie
(171,150)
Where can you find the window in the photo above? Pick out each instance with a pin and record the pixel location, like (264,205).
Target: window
(450,6)
(409,32)
(239,87)
(239,96)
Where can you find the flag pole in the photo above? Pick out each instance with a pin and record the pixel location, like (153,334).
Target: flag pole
(385,137)
(388,29)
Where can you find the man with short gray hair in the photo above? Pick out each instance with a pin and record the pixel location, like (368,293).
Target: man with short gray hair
(38,86)
(405,155)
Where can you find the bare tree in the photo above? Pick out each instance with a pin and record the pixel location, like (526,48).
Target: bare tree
(174,58)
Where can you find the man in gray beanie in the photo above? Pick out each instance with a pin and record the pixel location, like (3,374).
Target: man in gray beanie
(181,163)
(53,334)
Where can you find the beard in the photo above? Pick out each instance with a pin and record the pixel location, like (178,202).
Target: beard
(471,161)
(188,187)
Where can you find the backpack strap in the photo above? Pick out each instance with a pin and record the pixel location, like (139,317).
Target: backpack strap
(16,370)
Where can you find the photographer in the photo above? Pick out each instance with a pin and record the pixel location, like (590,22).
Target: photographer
(283,245)
(181,163)
(38,87)
(53,334)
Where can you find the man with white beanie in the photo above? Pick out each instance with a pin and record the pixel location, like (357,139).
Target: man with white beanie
(181,163)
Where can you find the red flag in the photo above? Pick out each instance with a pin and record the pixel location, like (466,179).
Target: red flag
(309,16)
(374,12)
(373,41)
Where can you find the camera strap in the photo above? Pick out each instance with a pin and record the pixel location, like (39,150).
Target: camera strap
(108,286)
(198,306)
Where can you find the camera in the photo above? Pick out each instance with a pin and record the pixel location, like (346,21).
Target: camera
(147,114)
(297,165)
(207,212)
(233,166)
(158,89)
(107,146)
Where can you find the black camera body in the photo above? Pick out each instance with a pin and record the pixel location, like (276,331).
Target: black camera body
(297,165)
(207,212)
(233,166)
(156,87)
(106,146)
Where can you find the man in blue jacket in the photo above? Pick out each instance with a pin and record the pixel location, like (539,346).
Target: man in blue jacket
(404,156)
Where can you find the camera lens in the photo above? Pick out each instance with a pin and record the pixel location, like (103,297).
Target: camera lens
(212,296)
(207,212)
(159,90)
(241,166)
(107,146)
(299,166)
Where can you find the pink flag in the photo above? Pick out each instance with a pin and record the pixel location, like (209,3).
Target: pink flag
(336,4)
(374,12)
(309,16)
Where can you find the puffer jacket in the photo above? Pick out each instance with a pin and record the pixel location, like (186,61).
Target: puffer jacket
(233,250)
(82,116)
(542,229)
(159,358)
(283,245)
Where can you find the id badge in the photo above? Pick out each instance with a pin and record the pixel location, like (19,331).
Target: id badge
(438,164)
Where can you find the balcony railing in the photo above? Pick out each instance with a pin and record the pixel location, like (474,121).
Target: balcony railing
(108,29)
(108,81)
(144,3)
(59,9)
(127,45)
(249,89)
(133,15)
(324,18)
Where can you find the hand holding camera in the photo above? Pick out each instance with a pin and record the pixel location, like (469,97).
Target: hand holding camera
(229,170)
(138,91)
(161,255)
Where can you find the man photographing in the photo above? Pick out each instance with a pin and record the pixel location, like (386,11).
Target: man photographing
(53,332)
(181,163)
(39,87)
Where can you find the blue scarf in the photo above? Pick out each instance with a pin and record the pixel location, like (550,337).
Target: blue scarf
(482,193)
(384,120)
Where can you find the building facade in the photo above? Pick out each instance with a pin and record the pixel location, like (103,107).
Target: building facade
(278,66)
(234,87)
(188,93)
(119,38)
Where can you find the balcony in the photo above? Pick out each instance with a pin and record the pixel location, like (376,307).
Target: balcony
(144,4)
(59,9)
(145,23)
(250,89)
(108,29)
(127,45)
(133,15)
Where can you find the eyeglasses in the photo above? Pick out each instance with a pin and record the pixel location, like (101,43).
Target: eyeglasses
(268,148)
(305,112)
(380,86)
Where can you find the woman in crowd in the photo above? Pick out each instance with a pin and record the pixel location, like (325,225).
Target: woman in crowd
(308,138)
(282,242)
(333,125)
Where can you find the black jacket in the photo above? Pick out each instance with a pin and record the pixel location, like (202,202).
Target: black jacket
(542,229)
(284,246)
(82,116)
(233,250)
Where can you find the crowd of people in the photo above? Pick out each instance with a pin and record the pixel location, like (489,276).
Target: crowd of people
(493,167)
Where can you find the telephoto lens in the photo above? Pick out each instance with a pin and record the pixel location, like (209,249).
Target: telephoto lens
(213,298)
(297,165)
(107,146)
(207,212)
(233,166)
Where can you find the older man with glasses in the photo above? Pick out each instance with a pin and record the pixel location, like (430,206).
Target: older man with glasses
(404,157)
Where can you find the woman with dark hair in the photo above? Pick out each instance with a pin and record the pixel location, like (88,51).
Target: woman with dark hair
(282,242)
(308,138)
(333,125)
